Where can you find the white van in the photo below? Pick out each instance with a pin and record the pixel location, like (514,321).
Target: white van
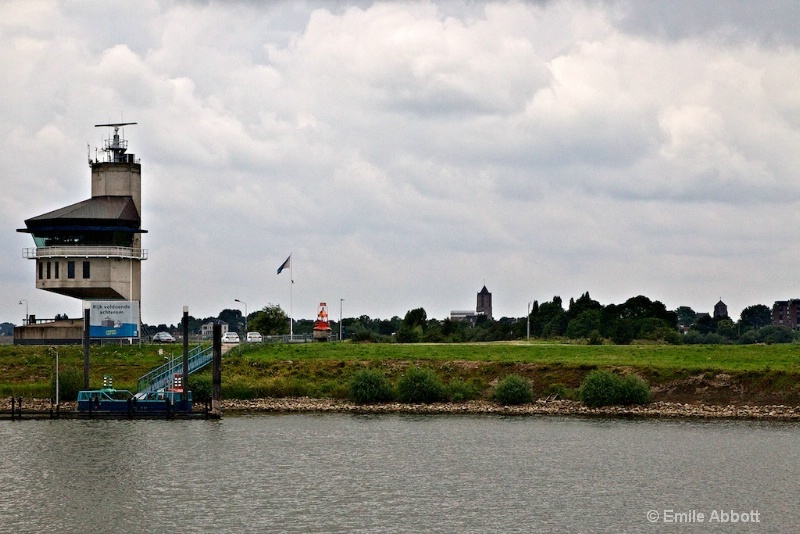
(254,337)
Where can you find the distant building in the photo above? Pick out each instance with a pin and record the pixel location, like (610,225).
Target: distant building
(483,308)
(484,305)
(720,310)
(785,313)
(465,315)
(207,330)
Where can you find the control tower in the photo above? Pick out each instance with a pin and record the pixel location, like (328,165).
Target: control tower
(92,250)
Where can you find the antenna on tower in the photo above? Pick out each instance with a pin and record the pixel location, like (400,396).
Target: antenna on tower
(116,147)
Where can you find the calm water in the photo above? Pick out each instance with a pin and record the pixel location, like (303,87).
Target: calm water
(395,473)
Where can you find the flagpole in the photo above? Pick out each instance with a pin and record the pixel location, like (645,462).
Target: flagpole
(291,288)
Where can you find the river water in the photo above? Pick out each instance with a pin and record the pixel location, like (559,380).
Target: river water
(399,473)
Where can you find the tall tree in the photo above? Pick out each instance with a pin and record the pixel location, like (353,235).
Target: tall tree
(271,320)
(686,315)
(756,316)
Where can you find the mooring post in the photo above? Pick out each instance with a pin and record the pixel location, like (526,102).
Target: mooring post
(19,407)
(185,380)
(86,312)
(216,372)
(12,408)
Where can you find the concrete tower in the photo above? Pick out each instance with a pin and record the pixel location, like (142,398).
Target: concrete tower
(92,250)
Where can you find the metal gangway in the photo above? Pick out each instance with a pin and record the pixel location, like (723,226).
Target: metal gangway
(161,377)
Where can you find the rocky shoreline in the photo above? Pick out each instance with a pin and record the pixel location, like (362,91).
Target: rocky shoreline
(540,407)
(666,410)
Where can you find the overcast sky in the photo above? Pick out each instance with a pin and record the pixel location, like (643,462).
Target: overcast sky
(407,153)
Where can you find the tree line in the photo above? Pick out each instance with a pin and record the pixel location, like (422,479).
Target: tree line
(582,320)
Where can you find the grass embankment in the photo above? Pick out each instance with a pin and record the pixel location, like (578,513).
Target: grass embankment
(687,373)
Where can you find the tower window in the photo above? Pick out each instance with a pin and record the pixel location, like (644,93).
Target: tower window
(70,269)
(48,270)
(86,269)
(56,269)
(41,269)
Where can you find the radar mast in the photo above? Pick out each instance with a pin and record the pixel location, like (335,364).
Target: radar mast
(115,148)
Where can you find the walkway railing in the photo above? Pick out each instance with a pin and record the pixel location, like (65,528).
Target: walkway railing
(85,252)
(161,377)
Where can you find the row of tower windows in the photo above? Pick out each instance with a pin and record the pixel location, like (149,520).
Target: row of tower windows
(51,269)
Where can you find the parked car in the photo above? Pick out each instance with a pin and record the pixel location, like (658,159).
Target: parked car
(163,337)
(230,337)
(254,337)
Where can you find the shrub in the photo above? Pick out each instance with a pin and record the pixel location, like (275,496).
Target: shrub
(513,389)
(459,391)
(634,390)
(595,338)
(749,337)
(70,382)
(602,388)
(368,385)
(201,387)
(362,336)
(420,385)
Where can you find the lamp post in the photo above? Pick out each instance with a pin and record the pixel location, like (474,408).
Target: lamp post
(340,319)
(245,314)
(528,335)
(25,321)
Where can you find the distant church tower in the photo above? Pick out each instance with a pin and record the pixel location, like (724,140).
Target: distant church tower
(720,310)
(484,303)
(92,250)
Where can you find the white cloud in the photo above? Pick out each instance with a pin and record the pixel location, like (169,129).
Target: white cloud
(406,152)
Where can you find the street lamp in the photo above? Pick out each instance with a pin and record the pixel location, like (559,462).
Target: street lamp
(25,321)
(528,336)
(340,319)
(245,314)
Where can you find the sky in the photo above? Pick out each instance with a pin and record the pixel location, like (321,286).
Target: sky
(408,153)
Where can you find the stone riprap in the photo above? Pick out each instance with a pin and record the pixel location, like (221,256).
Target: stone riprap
(539,407)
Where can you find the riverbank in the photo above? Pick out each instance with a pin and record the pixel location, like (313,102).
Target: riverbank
(664,410)
(540,407)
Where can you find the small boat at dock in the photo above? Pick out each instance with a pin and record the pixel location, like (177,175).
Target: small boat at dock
(108,400)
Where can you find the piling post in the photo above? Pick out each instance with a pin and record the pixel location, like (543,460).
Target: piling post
(185,381)
(216,373)
(86,311)
(12,408)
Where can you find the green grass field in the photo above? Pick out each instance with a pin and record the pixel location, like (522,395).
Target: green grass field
(322,369)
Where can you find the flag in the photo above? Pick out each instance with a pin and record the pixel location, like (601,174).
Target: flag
(285,264)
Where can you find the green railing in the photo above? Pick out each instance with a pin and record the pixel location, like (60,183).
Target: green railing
(162,376)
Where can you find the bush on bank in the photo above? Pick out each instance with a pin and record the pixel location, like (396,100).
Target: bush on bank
(420,386)
(513,389)
(368,385)
(460,391)
(602,388)
(70,382)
